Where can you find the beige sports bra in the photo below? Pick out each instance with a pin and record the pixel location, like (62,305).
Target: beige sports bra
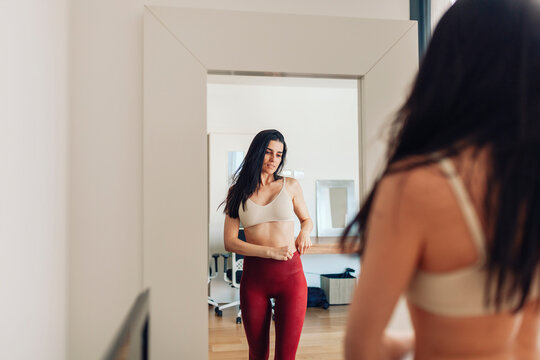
(279,209)
(459,292)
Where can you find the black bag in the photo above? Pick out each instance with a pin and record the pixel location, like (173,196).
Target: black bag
(316,298)
(343,275)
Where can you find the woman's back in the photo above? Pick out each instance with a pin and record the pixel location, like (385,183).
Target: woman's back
(417,232)
(449,249)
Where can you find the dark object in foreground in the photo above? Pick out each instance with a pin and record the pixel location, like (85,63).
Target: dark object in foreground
(131,340)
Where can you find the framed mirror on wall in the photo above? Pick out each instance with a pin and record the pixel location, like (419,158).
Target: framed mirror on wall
(336,206)
(181,48)
(235,159)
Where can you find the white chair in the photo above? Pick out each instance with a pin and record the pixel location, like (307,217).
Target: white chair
(212,275)
(232,277)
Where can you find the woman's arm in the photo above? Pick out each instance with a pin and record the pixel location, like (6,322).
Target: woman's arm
(526,343)
(234,244)
(393,249)
(303,241)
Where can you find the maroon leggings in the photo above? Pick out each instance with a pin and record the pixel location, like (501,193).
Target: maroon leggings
(284,281)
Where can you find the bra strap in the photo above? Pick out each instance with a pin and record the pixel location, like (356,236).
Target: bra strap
(465,203)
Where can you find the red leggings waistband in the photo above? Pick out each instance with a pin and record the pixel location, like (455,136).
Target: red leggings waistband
(264,266)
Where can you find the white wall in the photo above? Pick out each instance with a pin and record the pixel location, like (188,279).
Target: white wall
(319,120)
(106,171)
(33,178)
(106,152)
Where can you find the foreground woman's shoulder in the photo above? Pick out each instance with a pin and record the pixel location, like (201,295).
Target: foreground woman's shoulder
(414,181)
(417,168)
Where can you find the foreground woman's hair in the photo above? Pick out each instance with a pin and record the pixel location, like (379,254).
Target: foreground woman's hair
(479,86)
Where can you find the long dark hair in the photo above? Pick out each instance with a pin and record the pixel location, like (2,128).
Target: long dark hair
(479,86)
(248,176)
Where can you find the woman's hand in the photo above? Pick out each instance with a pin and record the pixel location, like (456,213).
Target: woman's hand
(280,253)
(303,242)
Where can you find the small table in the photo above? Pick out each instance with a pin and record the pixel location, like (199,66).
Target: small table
(331,245)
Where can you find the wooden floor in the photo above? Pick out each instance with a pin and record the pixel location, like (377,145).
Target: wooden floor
(322,335)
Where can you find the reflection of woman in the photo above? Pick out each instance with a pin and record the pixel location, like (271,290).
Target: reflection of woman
(454,222)
(265,203)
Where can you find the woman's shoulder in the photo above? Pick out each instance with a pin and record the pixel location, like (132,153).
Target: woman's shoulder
(417,171)
(413,164)
(425,171)
(290,181)
(414,181)
(292,185)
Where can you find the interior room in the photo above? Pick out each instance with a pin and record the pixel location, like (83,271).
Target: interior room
(318,118)
(79,180)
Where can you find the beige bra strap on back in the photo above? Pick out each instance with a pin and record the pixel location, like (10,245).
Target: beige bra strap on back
(465,203)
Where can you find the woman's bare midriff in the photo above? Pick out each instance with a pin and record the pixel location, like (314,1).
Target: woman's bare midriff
(490,337)
(272,234)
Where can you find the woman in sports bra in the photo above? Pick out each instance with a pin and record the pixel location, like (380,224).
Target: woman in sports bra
(266,204)
(453,222)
